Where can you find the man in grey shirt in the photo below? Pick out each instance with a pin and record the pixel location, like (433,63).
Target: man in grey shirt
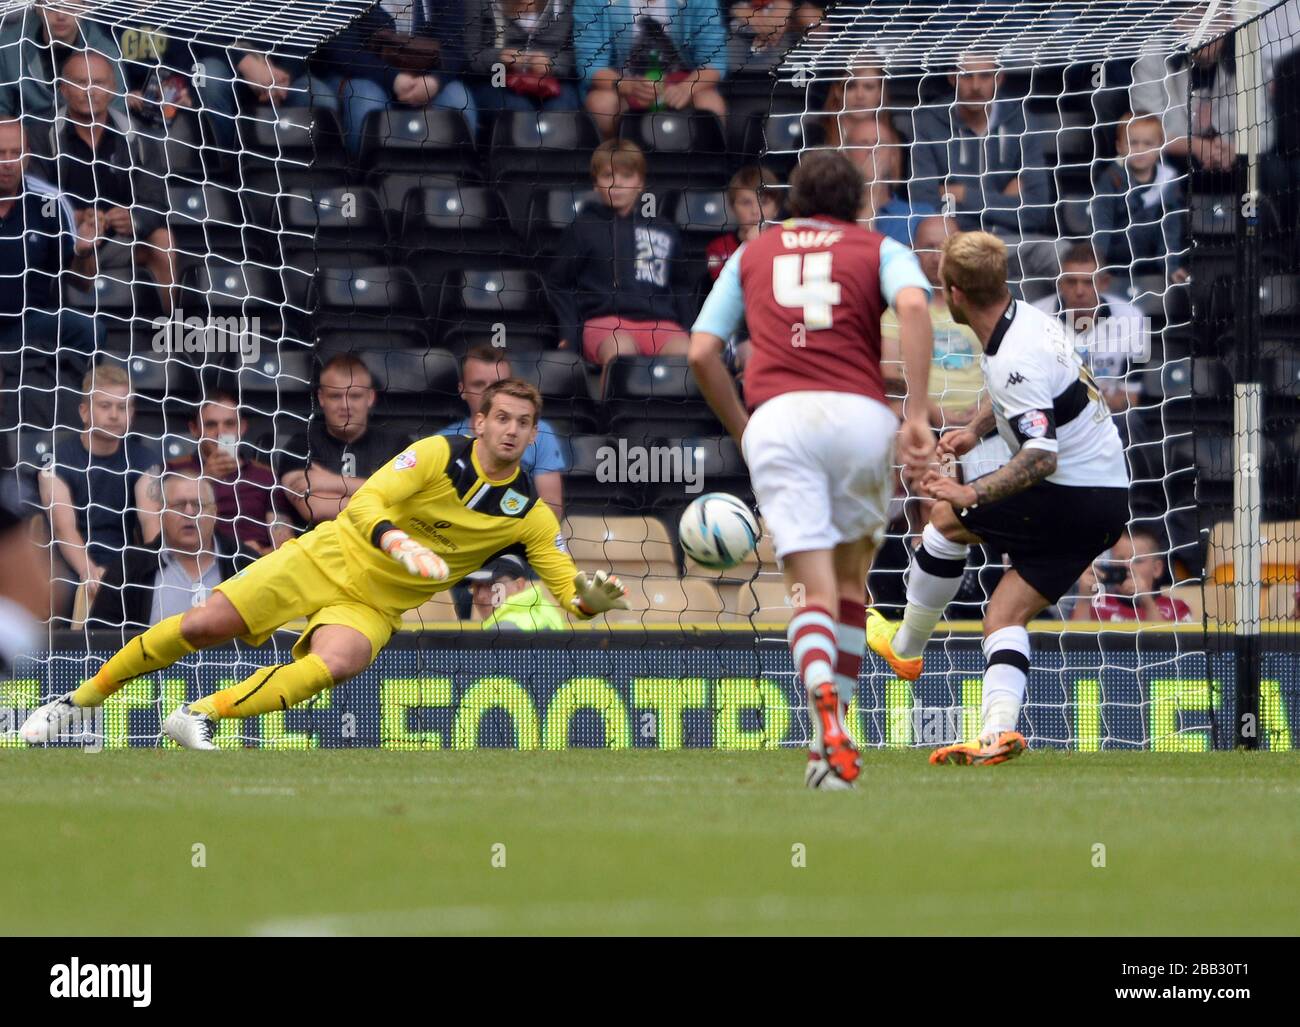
(190,560)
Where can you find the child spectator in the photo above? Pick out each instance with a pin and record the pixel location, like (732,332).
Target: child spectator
(616,281)
(752,202)
(1136,207)
(649,56)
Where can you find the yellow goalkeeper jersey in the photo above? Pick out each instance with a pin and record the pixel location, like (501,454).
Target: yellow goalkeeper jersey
(437,493)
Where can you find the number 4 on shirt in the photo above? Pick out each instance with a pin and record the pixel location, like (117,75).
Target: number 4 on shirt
(804,280)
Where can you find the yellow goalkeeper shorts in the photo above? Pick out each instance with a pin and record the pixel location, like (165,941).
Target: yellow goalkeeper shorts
(306,578)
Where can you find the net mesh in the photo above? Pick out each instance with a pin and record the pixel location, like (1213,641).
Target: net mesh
(283,184)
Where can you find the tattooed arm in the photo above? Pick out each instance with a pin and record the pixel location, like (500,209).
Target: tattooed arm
(1024,470)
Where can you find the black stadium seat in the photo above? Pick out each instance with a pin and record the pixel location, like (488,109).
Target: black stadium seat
(421,140)
(418,387)
(683,149)
(377,298)
(505,308)
(450,227)
(532,150)
(655,397)
(338,218)
(561,378)
(551,211)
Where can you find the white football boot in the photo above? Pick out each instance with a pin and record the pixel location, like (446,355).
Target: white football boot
(190,730)
(47,722)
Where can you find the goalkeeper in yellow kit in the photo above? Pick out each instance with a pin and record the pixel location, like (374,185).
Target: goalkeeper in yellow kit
(434,513)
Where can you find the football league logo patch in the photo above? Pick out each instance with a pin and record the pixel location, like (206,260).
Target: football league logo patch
(1032,425)
(404,460)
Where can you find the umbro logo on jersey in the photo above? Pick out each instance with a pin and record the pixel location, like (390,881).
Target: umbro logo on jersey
(1015,378)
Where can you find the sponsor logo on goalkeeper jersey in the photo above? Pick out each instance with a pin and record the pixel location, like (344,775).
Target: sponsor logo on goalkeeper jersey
(1033,425)
(404,460)
(431,530)
(75,979)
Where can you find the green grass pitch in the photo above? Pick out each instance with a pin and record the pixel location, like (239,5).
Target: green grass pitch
(363,842)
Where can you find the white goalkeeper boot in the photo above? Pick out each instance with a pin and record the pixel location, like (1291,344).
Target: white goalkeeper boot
(47,722)
(190,730)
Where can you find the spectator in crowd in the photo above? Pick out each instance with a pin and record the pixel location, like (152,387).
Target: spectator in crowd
(112,175)
(33,43)
(1125,584)
(974,158)
(101,492)
(852,101)
(1202,129)
(1137,207)
(401,54)
(1108,332)
(43,345)
(248,511)
(752,201)
(616,281)
(323,466)
(187,560)
(524,49)
(649,56)
(165,73)
(543,459)
(241,78)
(956,379)
(876,147)
(761,36)
(506,600)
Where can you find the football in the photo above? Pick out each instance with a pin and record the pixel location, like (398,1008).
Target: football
(718,531)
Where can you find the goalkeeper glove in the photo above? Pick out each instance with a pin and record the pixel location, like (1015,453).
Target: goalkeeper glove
(599,594)
(422,562)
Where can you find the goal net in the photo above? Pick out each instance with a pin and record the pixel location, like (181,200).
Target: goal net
(253,250)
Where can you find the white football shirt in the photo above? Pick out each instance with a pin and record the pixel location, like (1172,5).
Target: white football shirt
(1044,398)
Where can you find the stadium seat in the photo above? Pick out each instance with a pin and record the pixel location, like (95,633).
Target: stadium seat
(780,134)
(668,600)
(1279,564)
(338,218)
(378,298)
(440,609)
(630,546)
(181,138)
(210,218)
(423,140)
(550,212)
(221,287)
(531,150)
(765,600)
(305,135)
(494,307)
(450,227)
(301,267)
(561,377)
(585,484)
(700,215)
(127,310)
(655,397)
(416,385)
(683,149)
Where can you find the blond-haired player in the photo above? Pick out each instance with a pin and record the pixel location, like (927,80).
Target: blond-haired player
(1060,501)
(435,512)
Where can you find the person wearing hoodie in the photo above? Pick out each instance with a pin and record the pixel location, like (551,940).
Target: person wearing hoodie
(973,159)
(618,283)
(1137,206)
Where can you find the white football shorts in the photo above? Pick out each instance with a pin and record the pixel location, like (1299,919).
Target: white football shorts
(822,467)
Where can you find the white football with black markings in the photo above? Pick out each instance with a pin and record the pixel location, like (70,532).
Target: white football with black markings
(718,531)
